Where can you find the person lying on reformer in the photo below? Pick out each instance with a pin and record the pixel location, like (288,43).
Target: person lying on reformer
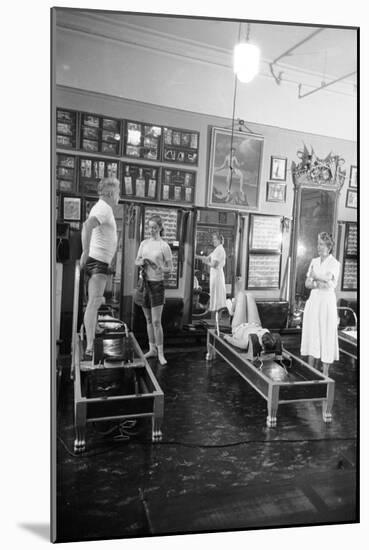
(246,321)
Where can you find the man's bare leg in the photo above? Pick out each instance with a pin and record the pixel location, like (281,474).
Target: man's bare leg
(96,288)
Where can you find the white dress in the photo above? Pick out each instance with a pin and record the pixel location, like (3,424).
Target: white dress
(217,281)
(319,329)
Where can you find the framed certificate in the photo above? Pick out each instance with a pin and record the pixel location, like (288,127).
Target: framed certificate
(71,209)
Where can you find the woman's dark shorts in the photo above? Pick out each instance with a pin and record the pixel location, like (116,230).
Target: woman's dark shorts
(93,267)
(153,294)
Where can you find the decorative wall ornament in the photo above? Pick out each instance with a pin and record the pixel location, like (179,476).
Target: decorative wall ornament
(326,172)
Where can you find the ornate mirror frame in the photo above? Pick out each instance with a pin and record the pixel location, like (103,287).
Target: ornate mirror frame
(317,185)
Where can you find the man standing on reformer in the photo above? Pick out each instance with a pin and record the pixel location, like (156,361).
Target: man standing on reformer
(99,243)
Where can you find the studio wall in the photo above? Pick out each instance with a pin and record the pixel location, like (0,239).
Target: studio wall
(277,141)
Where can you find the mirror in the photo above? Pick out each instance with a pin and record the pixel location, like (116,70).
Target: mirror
(317,212)
(317,184)
(208,222)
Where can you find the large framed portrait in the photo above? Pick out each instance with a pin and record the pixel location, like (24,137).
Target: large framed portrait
(234,169)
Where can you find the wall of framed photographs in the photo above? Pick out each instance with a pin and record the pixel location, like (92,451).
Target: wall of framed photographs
(109,142)
(349,263)
(157,137)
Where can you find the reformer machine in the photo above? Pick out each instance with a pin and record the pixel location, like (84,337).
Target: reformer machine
(118,383)
(277,375)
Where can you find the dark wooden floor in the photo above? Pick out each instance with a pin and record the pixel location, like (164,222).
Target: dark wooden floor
(218,466)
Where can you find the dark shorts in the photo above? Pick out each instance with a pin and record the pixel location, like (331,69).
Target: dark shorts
(153,294)
(93,267)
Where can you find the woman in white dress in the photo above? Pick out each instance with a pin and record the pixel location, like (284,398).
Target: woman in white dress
(216,260)
(319,330)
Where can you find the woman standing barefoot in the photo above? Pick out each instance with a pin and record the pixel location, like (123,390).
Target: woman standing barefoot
(155,257)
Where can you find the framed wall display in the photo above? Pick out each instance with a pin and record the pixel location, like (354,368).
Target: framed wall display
(276,192)
(171,279)
(99,134)
(169,218)
(265,252)
(351,239)
(278,168)
(263,271)
(92,170)
(180,146)
(66,129)
(353,177)
(349,274)
(351,198)
(349,270)
(178,185)
(142,140)
(140,181)
(71,209)
(265,233)
(66,173)
(237,188)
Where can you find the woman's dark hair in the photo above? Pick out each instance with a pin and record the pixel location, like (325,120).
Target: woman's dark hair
(327,238)
(157,219)
(219,236)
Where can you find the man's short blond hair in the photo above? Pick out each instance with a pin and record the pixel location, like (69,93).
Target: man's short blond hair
(108,186)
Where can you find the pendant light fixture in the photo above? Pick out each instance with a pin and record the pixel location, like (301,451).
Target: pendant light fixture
(246,59)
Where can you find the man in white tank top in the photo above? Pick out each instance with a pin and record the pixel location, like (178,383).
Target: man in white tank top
(99,243)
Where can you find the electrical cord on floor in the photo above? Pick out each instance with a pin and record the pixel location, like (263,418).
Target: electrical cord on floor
(126,437)
(251,441)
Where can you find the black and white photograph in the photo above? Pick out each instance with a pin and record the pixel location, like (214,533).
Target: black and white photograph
(71,208)
(353,177)
(278,168)
(276,192)
(351,198)
(205,307)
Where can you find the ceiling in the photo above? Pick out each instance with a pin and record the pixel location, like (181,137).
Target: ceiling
(331,54)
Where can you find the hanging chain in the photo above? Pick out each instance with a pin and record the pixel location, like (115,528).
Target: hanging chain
(233,113)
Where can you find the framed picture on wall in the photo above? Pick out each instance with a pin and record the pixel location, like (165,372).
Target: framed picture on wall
(72,208)
(351,199)
(234,169)
(353,177)
(276,192)
(265,233)
(278,168)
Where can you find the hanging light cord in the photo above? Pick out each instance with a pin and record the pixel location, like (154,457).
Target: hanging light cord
(233,113)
